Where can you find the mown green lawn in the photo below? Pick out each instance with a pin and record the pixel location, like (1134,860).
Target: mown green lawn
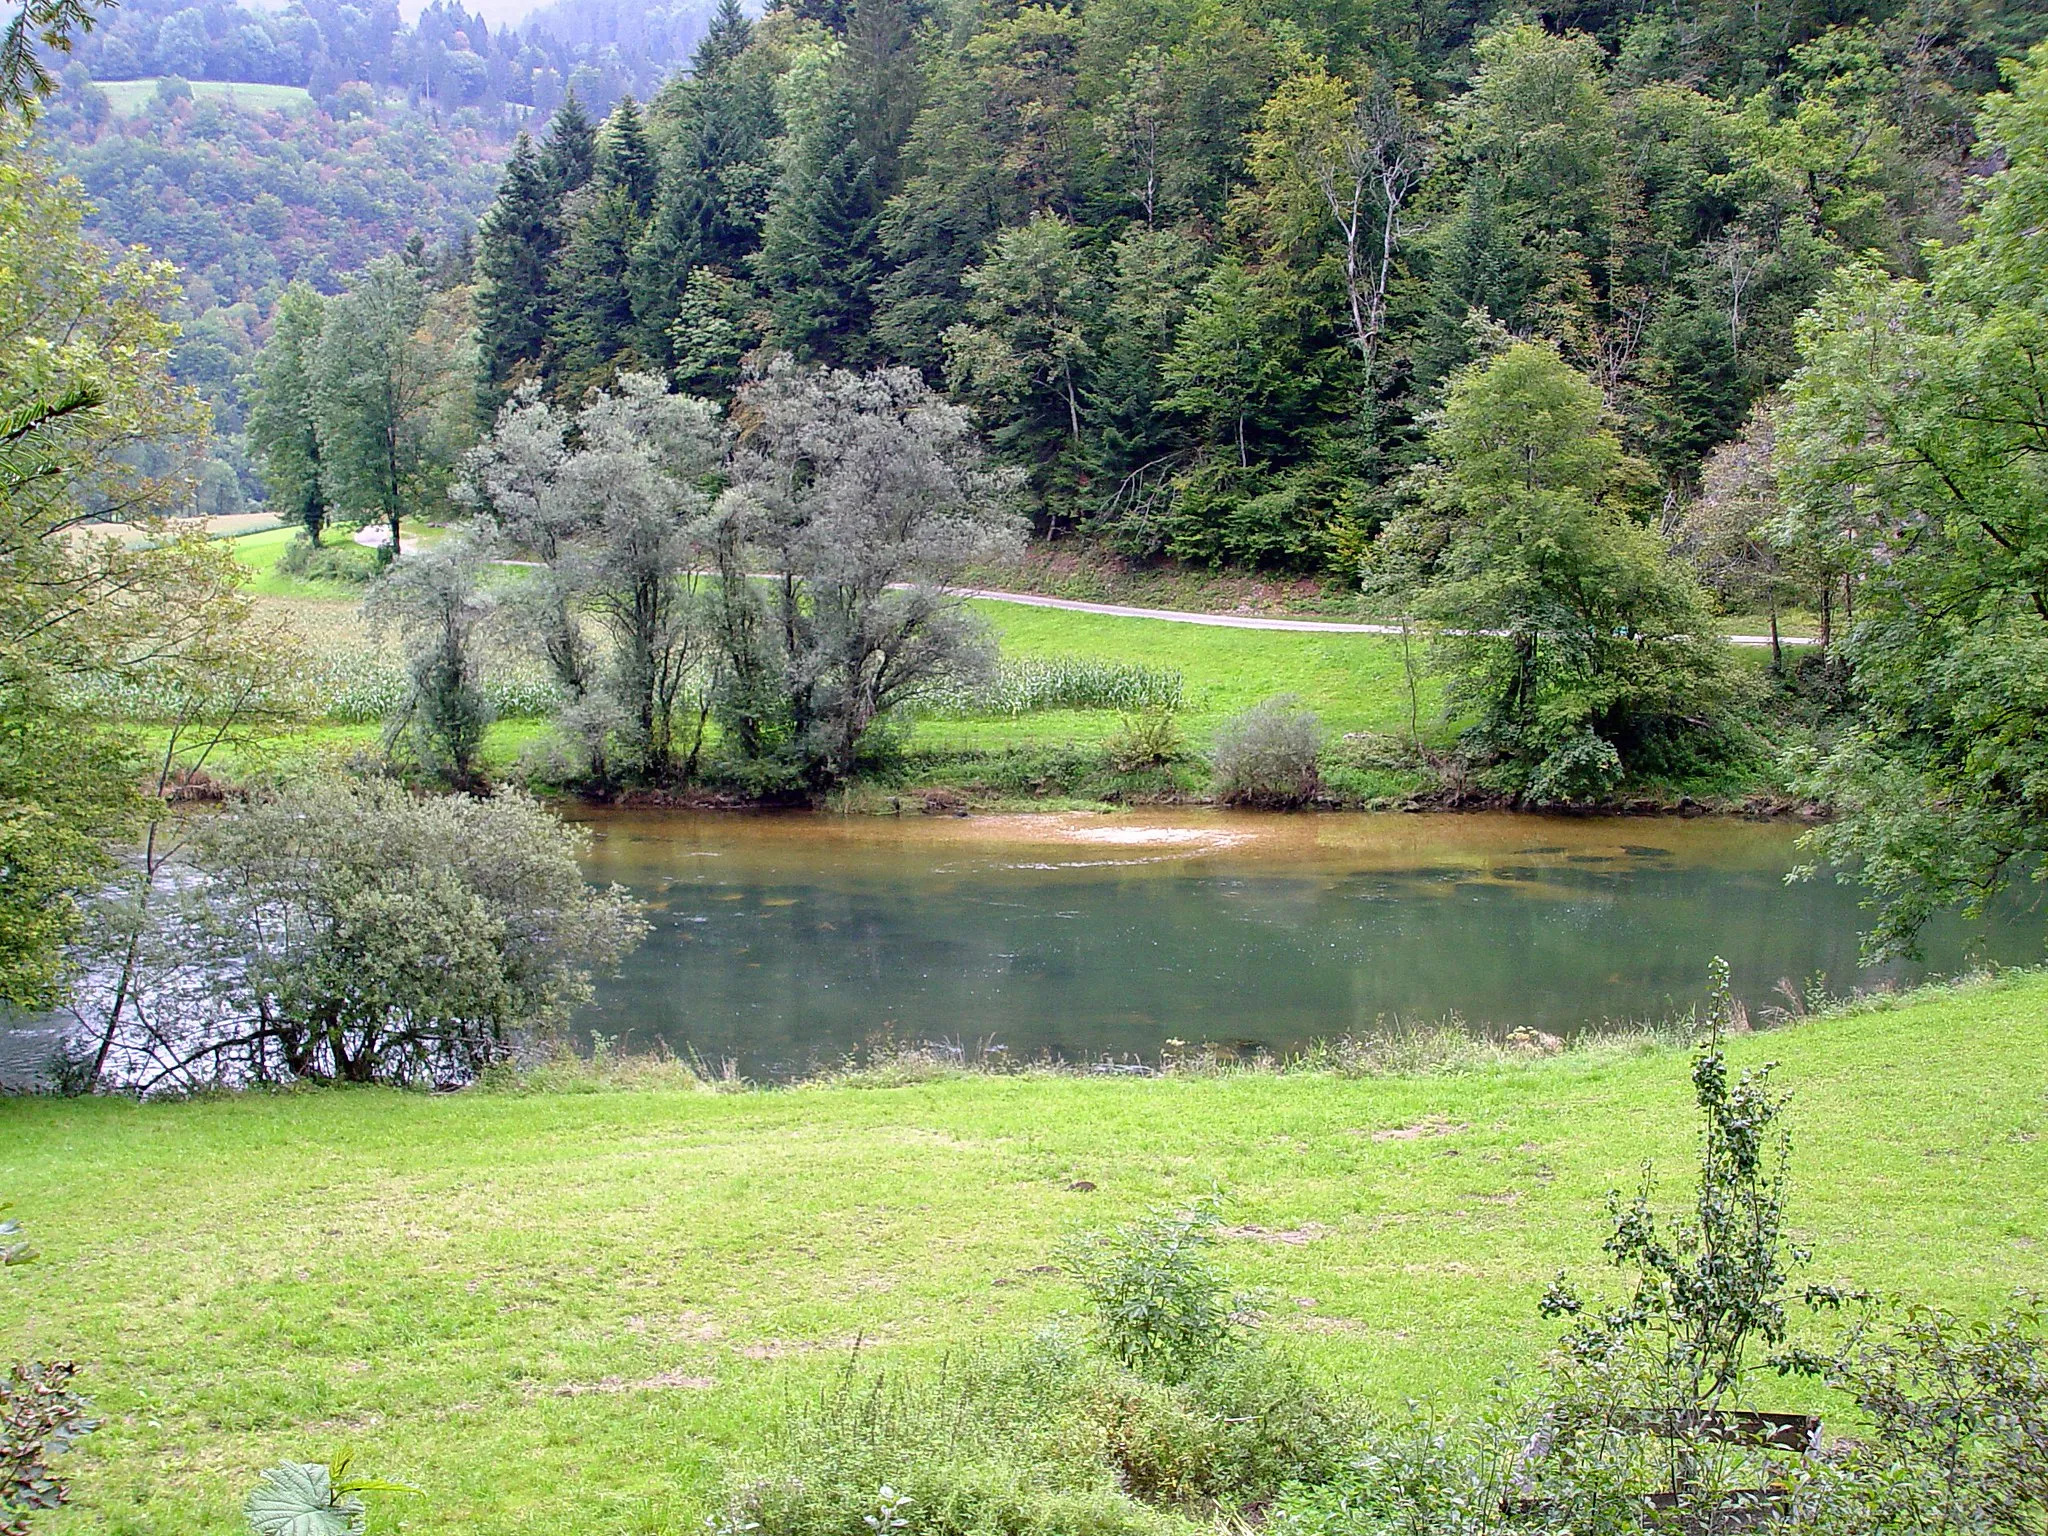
(567,1313)
(1354,682)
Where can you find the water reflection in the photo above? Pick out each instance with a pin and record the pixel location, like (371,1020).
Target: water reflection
(784,941)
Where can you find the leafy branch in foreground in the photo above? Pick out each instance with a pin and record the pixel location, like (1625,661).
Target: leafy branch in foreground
(306,1498)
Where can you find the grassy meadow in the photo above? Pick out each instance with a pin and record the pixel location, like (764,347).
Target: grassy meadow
(573,1311)
(128,97)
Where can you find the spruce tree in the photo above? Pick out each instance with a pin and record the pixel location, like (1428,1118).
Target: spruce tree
(592,335)
(731,32)
(817,249)
(570,154)
(625,157)
(820,249)
(515,250)
(714,182)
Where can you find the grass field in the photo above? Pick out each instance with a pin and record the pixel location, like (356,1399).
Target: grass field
(128,97)
(569,1312)
(1356,682)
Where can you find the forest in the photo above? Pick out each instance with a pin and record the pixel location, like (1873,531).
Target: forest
(1204,271)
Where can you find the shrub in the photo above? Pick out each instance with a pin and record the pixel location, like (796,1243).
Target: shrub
(995,1446)
(1042,1439)
(40,1416)
(1958,1438)
(1148,740)
(346,562)
(1164,1309)
(1269,756)
(1421,1476)
(1237,1431)
(345,930)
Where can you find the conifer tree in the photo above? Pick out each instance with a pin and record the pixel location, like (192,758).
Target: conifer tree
(714,183)
(515,251)
(570,154)
(625,157)
(730,34)
(283,430)
(592,335)
(820,249)
(817,250)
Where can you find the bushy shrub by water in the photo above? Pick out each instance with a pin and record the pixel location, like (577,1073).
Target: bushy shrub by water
(1270,756)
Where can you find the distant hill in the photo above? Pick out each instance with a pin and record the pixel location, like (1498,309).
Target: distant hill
(254,144)
(449,59)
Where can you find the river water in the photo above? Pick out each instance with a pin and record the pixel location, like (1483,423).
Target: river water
(784,942)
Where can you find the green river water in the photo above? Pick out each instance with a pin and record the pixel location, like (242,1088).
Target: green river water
(784,942)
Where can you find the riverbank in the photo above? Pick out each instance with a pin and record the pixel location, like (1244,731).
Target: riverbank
(1387,743)
(572,1311)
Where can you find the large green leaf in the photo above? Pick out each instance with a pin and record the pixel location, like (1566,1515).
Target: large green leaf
(298,1499)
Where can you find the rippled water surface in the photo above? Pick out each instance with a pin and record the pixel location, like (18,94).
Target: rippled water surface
(783,942)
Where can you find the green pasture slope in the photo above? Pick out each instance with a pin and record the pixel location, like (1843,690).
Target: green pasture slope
(568,1312)
(128,97)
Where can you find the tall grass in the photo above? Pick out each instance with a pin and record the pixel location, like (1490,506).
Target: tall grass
(347,688)
(1027,685)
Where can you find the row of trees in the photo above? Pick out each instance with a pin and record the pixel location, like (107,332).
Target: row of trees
(1203,272)
(780,571)
(359,403)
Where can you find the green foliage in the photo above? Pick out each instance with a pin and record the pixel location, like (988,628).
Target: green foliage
(1958,1415)
(516,246)
(92,426)
(300,1498)
(440,607)
(1911,444)
(1707,1291)
(993,1443)
(378,392)
(1163,1308)
(373,937)
(1565,627)
(1043,1437)
(862,497)
(346,564)
(1149,740)
(284,434)
(1027,684)
(1270,756)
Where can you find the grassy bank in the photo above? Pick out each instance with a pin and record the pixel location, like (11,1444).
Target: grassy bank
(1375,700)
(570,1311)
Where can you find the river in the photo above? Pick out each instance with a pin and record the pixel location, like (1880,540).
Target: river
(784,942)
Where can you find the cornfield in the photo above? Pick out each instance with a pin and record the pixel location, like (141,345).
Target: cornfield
(350,688)
(1033,683)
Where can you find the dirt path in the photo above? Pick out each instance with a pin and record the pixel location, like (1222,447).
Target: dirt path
(1243,620)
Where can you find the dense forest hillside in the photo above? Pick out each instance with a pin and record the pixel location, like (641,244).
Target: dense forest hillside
(449,59)
(352,134)
(1204,269)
